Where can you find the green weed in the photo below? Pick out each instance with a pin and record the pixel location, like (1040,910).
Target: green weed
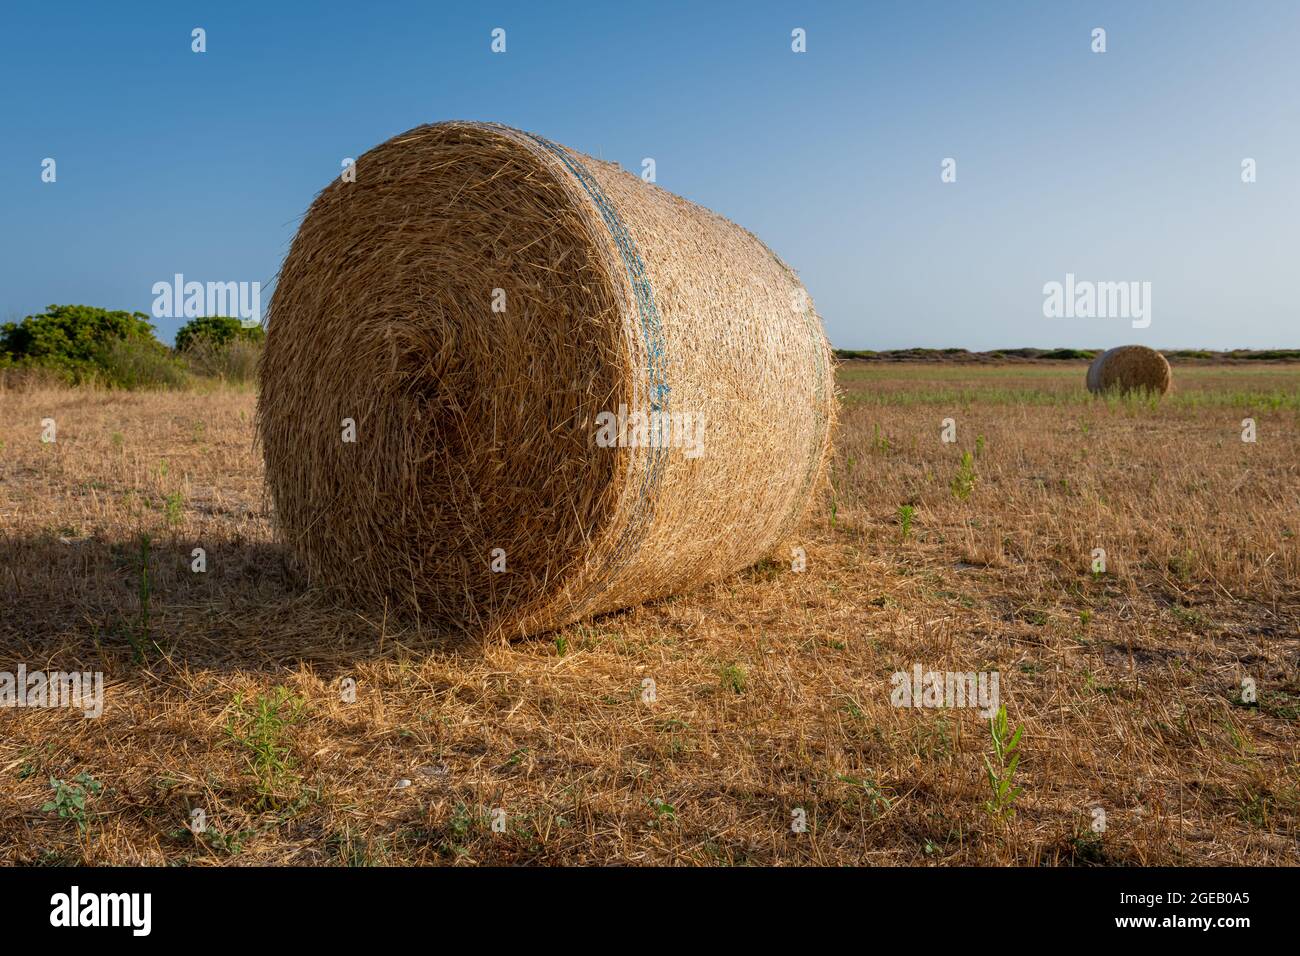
(963,483)
(905,515)
(733,678)
(70,798)
(260,729)
(1002,768)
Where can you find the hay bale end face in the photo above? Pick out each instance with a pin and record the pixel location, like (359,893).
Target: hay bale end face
(569,391)
(1129,368)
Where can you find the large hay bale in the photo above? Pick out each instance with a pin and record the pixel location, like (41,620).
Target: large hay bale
(478,430)
(1129,368)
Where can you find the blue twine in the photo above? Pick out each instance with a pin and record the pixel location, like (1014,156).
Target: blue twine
(651,331)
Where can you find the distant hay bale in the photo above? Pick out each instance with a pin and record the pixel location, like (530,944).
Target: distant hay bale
(1129,368)
(570,391)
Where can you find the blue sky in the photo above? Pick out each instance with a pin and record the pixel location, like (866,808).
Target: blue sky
(1120,166)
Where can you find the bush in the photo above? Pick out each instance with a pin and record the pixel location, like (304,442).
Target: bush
(235,361)
(139,363)
(1070,354)
(21,377)
(72,338)
(84,343)
(215,330)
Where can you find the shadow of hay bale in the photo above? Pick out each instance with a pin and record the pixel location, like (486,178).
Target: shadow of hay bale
(75,604)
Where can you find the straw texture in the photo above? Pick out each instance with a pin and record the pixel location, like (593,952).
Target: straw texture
(478,433)
(1129,368)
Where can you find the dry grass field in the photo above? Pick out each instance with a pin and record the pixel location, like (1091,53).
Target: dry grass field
(771,692)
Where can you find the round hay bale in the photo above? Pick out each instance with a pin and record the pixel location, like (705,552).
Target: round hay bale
(1129,368)
(570,391)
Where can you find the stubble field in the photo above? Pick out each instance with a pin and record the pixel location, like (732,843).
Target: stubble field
(749,722)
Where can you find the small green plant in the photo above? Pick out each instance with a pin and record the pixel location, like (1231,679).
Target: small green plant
(963,483)
(173,508)
(146,587)
(933,740)
(1002,772)
(1182,566)
(561,644)
(70,798)
(139,635)
(1085,617)
(1279,704)
(354,849)
(1239,741)
(1087,848)
(664,812)
(733,678)
(879,441)
(979,445)
(229,844)
(260,729)
(877,801)
(905,515)
(462,823)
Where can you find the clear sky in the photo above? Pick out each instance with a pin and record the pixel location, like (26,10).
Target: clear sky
(1116,166)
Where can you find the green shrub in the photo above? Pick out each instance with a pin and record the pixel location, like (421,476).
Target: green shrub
(140,363)
(85,343)
(236,361)
(215,330)
(1274,355)
(1070,354)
